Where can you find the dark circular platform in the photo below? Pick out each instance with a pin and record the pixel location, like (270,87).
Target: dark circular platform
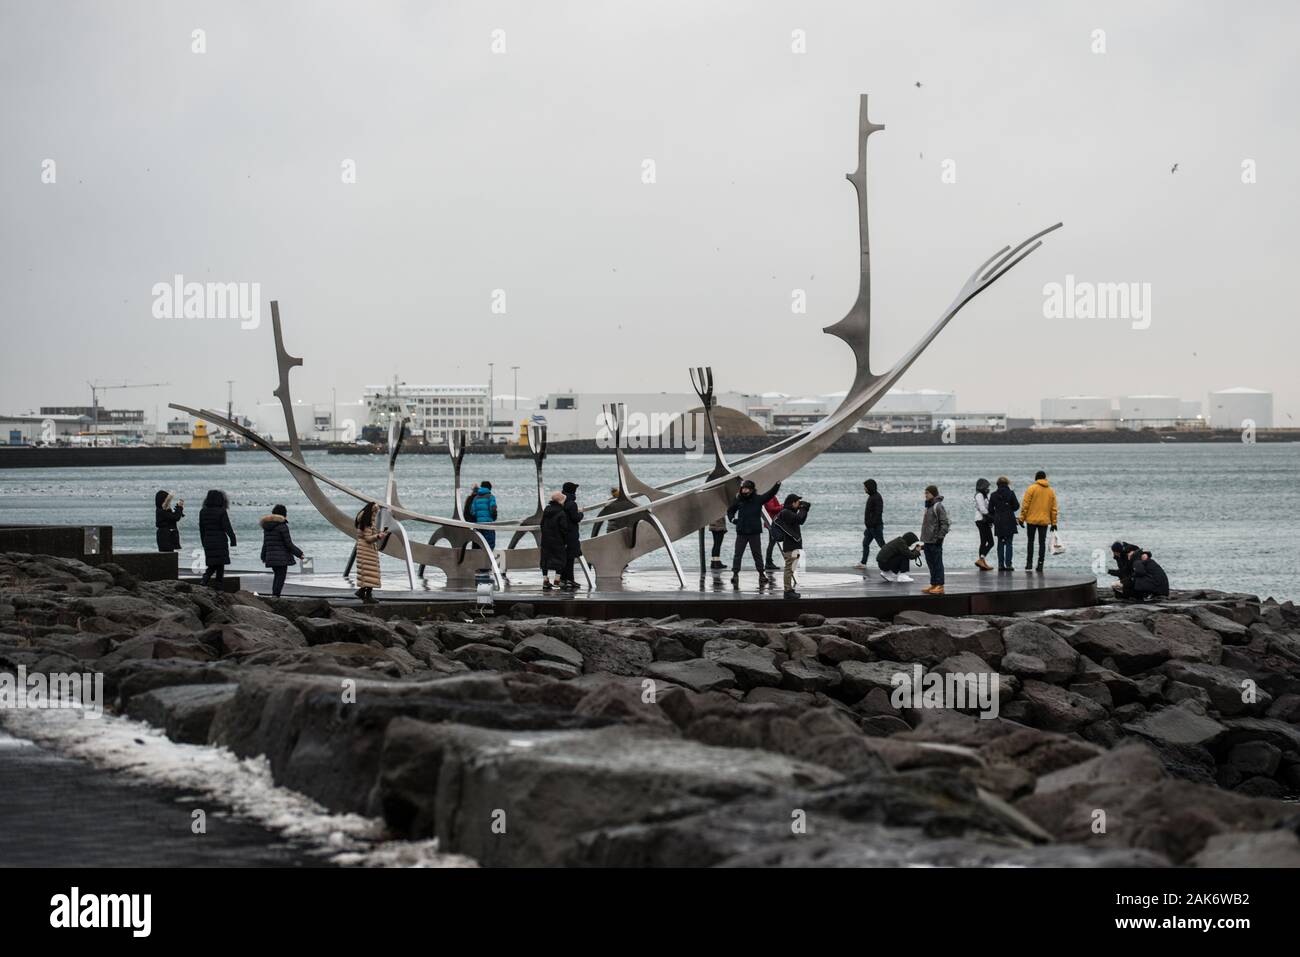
(655,594)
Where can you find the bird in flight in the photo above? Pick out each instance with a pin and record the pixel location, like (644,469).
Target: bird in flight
(1174,168)
(918,84)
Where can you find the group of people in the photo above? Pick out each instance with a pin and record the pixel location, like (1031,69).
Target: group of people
(1139,577)
(998,515)
(217,536)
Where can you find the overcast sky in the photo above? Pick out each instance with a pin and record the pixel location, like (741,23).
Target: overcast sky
(523,171)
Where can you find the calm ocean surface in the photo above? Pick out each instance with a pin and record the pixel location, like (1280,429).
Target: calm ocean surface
(1216,516)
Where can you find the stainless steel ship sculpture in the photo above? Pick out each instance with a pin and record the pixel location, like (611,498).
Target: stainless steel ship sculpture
(649,517)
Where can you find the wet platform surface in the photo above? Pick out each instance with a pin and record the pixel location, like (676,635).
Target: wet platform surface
(655,593)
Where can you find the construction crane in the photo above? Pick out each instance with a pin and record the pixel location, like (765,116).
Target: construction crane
(95,389)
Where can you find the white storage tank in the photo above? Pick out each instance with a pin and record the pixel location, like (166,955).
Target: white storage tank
(1229,408)
(1094,411)
(1148,411)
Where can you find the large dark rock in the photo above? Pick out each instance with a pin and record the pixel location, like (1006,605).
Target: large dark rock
(861,677)
(1056,709)
(1255,757)
(612,654)
(1128,646)
(547,648)
(751,665)
(697,674)
(1280,734)
(975,635)
(527,799)
(921,643)
(321,735)
(130,678)
(1179,725)
(184,712)
(1226,688)
(808,674)
(1035,651)
(1229,630)
(1170,817)
(481,657)
(928,817)
(834,649)
(1187,640)
(1133,764)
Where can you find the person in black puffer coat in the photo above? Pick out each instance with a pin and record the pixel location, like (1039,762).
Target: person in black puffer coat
(1003,506)
(1149,579)
(278,549)
(216,535)
(572,535)
(555,536)
(165,518)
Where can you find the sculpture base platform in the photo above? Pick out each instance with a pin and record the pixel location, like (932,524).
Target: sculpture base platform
(834,592)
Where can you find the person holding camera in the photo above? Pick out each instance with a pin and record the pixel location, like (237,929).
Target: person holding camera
(898,553)
(165,519)
(789,522)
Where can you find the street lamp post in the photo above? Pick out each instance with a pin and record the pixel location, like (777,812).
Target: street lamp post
(516,368)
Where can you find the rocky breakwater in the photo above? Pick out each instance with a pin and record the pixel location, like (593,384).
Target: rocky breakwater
(1124,735)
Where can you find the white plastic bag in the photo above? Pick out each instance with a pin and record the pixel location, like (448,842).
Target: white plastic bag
(1058,546)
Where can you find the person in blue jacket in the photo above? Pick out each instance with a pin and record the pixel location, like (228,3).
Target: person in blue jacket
(481,506)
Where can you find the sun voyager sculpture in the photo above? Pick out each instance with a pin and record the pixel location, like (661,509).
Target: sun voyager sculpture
(650,517)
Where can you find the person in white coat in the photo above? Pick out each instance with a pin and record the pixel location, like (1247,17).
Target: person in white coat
(983,524)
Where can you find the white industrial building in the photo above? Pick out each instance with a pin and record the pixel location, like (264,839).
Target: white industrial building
(1231,408)
(433,410)
(314,421)
(579,415)
(76,425)
(934,401)
(33,429)
(1082,411)
(1149,411)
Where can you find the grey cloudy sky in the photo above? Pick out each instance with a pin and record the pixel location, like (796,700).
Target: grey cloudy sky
(522,171)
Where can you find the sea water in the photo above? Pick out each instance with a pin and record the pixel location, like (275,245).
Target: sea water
(1215,516)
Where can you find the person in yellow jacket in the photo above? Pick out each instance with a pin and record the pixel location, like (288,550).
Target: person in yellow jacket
(1037,514)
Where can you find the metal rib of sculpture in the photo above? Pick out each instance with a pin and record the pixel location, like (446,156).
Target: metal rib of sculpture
(671,511)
